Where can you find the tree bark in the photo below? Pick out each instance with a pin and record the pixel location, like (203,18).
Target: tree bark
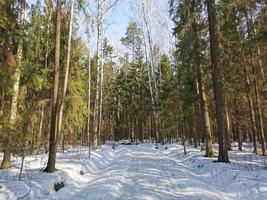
(259,114)
(98,98)
(229,128)
(40,131)
(151,73)
(240,137)
(259,109)
(252,111)
(66,76)
(48,16)
(201,91)
(218,82)
(89,102)
(204,112)
(51,165)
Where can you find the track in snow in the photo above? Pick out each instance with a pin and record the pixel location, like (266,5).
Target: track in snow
(143,173)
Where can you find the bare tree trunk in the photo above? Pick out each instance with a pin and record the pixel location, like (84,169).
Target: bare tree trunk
(204,112)
(101,95)
(6,163)
(101,40)
(250,31)
(218,81)
(98,101)
(240,136)
(229,127)
(195,115)
(40,131)
(259,113)
(96,116)
(48,16)
(89,102)
(201,92)
(153,103)
(21,165)
(151,73)
(259,56)
(262,73)
(66,76)
(264,10)
(252,112)
(51,165)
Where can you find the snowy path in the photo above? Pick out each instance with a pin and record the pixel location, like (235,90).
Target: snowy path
(142,172)
(139,172)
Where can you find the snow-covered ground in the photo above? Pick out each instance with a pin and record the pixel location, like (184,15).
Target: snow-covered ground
(139,172)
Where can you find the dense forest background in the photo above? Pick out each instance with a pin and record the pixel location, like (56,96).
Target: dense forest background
(57,89)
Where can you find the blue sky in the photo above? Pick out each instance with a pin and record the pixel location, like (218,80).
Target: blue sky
(116,21)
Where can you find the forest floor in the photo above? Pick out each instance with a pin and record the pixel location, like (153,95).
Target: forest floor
(139,172)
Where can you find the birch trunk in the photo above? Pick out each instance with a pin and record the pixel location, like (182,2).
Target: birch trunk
(101,63)
(151,73)
(100,74)
(89,102)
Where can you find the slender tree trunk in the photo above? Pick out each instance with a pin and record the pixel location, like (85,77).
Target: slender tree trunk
(259,62)
(89,102)
(51,165)
(2,104)
(229,128)
(202,94)
(252,112)
(240,136)
(37,150)
(48,15)
(151,90)
(250,99)
(194,125)
(6,163)
(259,113)
(218,81)
(151,72)
(264,10)
(21,165)
(66,76)
(204,112)
(259,56)
(98,98)
(259,116)
(101,95)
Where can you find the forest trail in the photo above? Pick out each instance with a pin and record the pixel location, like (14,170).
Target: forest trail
(138,172)
(143,172)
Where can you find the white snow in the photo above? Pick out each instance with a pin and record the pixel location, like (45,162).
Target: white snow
(139,172)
